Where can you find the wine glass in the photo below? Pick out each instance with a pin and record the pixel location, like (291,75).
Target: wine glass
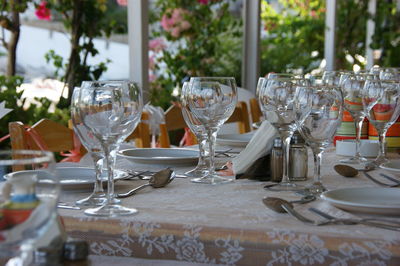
(276,100)
(332,77)
(93,146)
(28,201)
(351,86)
(198,129)
(382,106)
(111,110)
(212,100)
(390,73)
(318,114)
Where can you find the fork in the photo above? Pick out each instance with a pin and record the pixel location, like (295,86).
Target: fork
(390,178)
(395,226)
(379,182)
(377,222)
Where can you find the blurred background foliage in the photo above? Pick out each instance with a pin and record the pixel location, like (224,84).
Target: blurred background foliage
(204,38)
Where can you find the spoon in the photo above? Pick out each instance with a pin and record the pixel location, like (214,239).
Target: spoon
(158,180)
(275,204)
(349,171)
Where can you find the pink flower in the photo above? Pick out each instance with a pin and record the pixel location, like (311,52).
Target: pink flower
(42,12)
(157,45)
(174,21)
(122,2)
(203,2)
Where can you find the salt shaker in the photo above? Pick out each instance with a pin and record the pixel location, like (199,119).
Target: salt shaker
(298,159)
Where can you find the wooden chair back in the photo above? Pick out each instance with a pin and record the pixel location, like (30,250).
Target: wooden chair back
(141,134)
(173,121)
(55,136)
(241,116)
(255,110)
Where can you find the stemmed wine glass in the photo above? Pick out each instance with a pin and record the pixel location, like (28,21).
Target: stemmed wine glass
(111,110)
(93,146)
(390,73)
(212,100)
(198,129)
(351,86)
(318,114)
(276,99)
(382,105)
(28,202)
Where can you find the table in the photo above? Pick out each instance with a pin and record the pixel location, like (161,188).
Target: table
(228,224)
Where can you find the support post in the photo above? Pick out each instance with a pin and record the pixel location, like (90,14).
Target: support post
(330,38)
(251,44)
(138,40)
(370,33)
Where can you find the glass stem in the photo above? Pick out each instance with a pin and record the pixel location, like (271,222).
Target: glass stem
(286,151)
(212,136)
(98,167)
(202,139)
(317,154)
(382,144)
(109,152)
(358,123)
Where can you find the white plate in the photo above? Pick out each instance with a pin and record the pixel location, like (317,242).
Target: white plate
(76,177)
(393,166)
(236,140)
(161,156)
(369,200)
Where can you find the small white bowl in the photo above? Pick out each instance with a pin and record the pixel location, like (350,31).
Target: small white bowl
(347,147)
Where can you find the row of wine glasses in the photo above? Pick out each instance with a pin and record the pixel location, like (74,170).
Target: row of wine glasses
(354,88)
(293,103)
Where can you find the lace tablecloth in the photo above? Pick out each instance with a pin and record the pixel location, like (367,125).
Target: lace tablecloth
(228,224)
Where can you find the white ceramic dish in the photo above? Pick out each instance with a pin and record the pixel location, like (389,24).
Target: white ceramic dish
(235,140)
(347,147)
(393,166)
(76,177)
(369,200)
(164,156)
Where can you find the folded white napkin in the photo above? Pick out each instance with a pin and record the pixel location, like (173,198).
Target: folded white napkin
(3,109)
(259,145)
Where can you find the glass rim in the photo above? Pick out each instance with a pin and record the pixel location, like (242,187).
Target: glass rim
(322,86)
(211,78)
(43,157)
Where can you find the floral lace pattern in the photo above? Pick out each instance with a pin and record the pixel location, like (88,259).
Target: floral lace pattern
(229,225)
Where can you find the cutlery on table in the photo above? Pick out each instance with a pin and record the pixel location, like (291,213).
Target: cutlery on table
(158,180)
(63,205)
(379,182)
(275,204)
(288,207)
(390,178)
(377,222)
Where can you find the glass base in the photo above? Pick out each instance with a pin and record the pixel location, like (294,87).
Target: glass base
(197,172)
(379,161)
(315,189)
(110,210)
(354,160)
(212,180)
(95,199)
(286,186)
